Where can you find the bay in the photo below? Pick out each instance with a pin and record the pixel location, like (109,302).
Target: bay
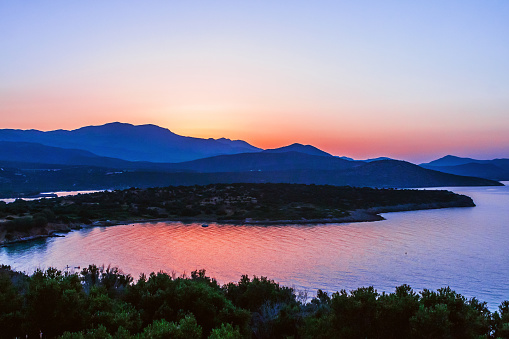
(464,248)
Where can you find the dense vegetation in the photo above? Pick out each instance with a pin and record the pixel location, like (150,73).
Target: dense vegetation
(104,303)
(218,202)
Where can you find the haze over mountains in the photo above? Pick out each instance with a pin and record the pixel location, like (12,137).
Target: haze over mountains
(496,169)
(119,155)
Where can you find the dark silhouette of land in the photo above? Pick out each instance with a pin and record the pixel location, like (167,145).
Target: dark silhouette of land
(227,203)
(68,169)
(496,169)
(102,157)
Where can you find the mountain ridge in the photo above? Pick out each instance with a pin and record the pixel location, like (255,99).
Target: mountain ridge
(80,167)
(296,147)
(131,142)
(287,167)
(494,169)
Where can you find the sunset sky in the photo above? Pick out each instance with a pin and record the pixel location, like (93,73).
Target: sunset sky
(411,80)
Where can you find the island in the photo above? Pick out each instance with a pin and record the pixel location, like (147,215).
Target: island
(221,203)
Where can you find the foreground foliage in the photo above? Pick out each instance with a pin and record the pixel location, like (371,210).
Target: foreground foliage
(102,302)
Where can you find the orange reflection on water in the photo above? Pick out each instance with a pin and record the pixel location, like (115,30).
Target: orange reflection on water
(228,251)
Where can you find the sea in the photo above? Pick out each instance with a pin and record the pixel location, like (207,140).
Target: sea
(465,248)
(58,194)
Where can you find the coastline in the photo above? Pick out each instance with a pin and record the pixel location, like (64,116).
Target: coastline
(359,215)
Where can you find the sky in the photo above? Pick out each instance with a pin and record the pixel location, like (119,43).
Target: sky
(412,80)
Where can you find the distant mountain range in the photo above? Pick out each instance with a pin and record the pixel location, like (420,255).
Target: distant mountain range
(496,169)
(386,173)
(134,143)
(32,160)
(13,154)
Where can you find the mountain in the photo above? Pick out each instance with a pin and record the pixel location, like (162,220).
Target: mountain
(33,155)
(37,153)
(316,169)
(450,160)
(397,173)
(306,149)
(129,142)
(377,159)
(29,152)
(25,152)
(79,163)
(265,161)
(281,160)
(240,144)
(385,173)
(496,169)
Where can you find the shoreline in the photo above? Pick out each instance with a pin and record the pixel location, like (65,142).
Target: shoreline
(359,215)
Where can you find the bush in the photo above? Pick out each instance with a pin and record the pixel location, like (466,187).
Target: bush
(40,221)
(187,328)
(225,332)
(22,224)
(103,303)
(252,294)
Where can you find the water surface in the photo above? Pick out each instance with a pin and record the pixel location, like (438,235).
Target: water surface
(58,194)
(464,248)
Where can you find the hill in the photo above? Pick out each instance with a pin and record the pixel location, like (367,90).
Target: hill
(386,173)
(25,153)
(296,167)
(496,169)
(33,155)
(307,149)
(450,160)
(265,161)
(29,152)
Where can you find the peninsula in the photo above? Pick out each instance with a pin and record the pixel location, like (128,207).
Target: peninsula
(223,203)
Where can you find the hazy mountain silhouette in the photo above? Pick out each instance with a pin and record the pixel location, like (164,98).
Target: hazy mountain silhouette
(33,153)
(397,173)
(288,160)
(367,160)
(262,161)
(496,169)
(450,160)
(386,173)
(133,143)
(265,161)
(30,152)
(377,159)
(307,149)
(77,166)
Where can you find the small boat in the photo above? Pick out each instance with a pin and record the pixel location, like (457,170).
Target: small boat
(204,225)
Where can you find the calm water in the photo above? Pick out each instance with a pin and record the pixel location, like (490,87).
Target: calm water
(464,248)
(59,194)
